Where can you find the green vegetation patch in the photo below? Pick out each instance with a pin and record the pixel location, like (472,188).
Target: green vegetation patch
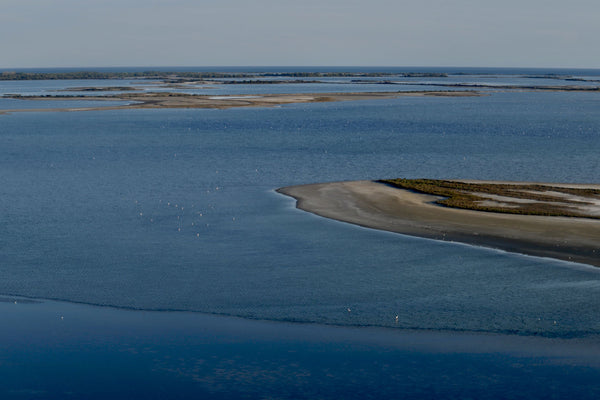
(528,199)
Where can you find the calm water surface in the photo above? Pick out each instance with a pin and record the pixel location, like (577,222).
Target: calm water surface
(176,210)
(98,353)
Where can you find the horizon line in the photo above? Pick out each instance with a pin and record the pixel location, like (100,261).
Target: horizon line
(174,67)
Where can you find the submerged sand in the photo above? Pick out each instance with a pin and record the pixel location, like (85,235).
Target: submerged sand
(379,206)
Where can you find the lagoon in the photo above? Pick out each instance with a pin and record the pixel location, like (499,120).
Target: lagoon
(176,210)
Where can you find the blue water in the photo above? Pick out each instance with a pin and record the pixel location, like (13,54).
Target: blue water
(54,87)
(176,210)
(98,353)
(19,104)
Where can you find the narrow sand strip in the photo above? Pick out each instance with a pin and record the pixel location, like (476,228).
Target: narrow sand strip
(184,100)
(376,205)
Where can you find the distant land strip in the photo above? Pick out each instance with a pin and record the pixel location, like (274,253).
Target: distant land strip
(178,75)
(558,220)
(550,88)
(185,100)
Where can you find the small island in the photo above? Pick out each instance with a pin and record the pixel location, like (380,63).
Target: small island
(548,220)
(147,100)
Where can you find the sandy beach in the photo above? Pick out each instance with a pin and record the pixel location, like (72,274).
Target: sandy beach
(379,206)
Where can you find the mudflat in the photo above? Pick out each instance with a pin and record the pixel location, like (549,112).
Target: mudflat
(380,206)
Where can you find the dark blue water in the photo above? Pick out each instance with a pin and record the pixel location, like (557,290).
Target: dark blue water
(176,210)
(98,353)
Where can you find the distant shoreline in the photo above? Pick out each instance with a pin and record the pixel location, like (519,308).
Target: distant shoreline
(379,206)
(183,100)
(202,75)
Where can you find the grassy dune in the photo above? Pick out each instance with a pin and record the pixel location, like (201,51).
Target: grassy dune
(528,199)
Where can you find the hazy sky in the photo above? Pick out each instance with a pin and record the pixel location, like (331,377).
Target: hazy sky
(509,33)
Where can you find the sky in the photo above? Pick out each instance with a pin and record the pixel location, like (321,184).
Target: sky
(477,33)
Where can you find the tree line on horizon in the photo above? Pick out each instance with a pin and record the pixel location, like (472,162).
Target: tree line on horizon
(173,75)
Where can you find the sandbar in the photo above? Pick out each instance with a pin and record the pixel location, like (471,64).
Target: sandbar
(184,100)
(379,206)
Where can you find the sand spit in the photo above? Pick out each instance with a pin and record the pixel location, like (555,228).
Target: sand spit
(379,206)
(183,100)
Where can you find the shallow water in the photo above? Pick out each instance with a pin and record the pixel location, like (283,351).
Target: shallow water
(176,210)
(394,82)
(20,104)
